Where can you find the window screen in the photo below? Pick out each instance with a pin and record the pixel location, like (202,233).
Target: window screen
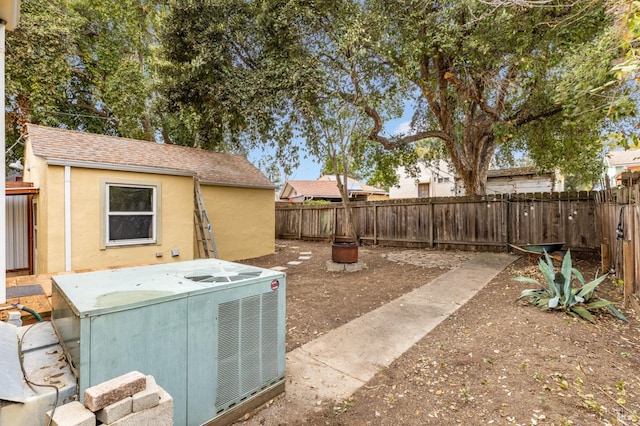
(131,214)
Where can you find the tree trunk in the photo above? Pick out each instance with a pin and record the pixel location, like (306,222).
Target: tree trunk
(147,128)
(350,226)
(471,158)
(473,181)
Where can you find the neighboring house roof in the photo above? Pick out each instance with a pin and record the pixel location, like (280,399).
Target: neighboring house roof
(629,174)
(310,189)
(623,158)
(81,149)
(325,187)
(356,186)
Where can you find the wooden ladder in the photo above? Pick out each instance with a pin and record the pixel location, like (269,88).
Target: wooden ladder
(206,243)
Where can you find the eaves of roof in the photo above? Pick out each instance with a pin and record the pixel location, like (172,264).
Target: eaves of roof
(119,167)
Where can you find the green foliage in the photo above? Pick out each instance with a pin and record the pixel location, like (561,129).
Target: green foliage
(479,75)
(317,202)
(492,73)
(559,291)
(37,72)
(629,20)
(235,75)
(369,162)
(87,65)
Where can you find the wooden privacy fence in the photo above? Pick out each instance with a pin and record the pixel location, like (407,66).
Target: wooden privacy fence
(471,223)
(618,213)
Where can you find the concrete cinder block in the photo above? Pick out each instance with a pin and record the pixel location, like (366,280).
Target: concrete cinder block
(160,415)
(115,411)
(334,266)
(354,267)
(147,398)
(71,414)
(106,393)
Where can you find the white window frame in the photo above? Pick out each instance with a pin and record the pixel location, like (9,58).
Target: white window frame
(153,213)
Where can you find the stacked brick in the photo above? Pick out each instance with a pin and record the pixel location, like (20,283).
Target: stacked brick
(132,399)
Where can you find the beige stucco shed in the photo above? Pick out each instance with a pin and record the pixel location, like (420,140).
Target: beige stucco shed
(105,201)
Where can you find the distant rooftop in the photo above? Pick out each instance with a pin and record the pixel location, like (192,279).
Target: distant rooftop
(325,187)
(623,158)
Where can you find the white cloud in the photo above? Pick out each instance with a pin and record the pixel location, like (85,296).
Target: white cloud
(403,128)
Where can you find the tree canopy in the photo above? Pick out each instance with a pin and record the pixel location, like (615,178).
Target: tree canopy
(496,76)
(484,76)
(257,73)
(84,65)
(481,78)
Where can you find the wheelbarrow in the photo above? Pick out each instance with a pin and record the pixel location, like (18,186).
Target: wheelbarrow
(536,250)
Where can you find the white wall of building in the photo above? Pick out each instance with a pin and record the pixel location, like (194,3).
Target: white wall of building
(524,184)
(432,182)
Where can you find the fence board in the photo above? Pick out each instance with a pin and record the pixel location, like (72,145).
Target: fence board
(288,222)
(618,217)
(636,243)
(461,222)
(317,223)
(583,221)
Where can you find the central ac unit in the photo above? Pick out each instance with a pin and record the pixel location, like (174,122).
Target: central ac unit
(211,332)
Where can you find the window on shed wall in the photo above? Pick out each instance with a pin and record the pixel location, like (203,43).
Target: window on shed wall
(131,214)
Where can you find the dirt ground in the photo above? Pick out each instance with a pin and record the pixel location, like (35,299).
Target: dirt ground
(495,361)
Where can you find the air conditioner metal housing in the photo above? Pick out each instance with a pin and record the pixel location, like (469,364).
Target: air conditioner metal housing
(211,332)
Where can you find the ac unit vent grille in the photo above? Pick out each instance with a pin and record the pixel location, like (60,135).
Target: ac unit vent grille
(247,347)
(250,343)
(269,336)
(228,361)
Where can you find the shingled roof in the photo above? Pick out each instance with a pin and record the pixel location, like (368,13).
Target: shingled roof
(325,188)
(81,149)
(311,188)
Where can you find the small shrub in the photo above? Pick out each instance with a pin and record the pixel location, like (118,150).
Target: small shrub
(559,293)
(317,202)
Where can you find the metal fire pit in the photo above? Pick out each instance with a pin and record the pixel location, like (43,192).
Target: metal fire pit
(344,252)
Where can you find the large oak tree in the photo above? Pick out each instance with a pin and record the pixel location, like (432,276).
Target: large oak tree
(497,74)
(483,76)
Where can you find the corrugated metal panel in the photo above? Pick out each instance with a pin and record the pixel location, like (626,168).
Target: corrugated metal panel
(17,236)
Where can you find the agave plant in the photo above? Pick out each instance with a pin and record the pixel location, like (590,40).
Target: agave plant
(560,293)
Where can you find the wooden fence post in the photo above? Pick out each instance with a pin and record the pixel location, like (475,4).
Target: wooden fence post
(507,221)
(375,224)
(629,270)
(605,257)
(432,223)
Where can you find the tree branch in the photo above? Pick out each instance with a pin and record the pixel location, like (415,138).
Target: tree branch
(243,55)
(503,89)
(392,143)
(522,119)
(471,95)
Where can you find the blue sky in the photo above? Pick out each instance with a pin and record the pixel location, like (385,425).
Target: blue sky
(309,168)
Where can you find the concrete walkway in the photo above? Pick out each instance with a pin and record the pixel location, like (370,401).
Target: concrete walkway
(335,365)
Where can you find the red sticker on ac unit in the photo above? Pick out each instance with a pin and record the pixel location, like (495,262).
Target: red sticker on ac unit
(275,284)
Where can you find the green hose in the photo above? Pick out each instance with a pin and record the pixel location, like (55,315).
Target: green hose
(31,311)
